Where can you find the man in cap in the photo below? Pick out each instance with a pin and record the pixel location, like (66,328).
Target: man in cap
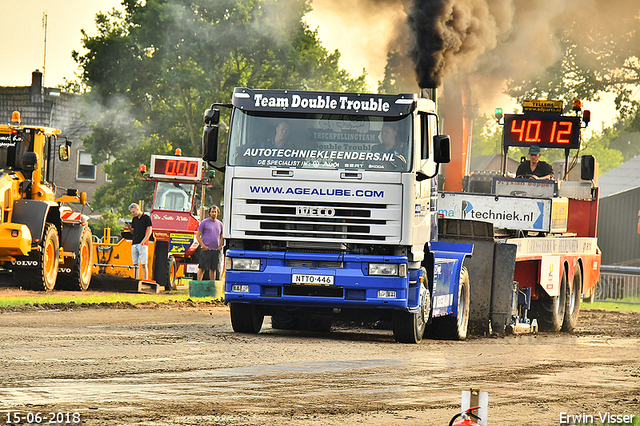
(534,168)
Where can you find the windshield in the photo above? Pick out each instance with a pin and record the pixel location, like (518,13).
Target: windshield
(174,196)
(320,141)
(12,148)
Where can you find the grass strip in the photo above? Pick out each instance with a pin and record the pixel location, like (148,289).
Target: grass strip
(89,298)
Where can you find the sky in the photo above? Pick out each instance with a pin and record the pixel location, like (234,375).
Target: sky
(23,38)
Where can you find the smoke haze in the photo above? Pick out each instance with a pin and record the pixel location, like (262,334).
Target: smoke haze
(491,41)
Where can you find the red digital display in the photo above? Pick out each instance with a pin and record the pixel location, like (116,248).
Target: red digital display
(546,131)
(178,168)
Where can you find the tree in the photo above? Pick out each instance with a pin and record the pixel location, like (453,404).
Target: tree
(154,68)
(598,59)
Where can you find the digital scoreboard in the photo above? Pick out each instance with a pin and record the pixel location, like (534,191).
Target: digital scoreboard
(544,130)
(166,167)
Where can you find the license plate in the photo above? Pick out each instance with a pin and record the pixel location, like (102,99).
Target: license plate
(312,279)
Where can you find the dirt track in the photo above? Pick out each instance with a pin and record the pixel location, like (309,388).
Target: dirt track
(183,365)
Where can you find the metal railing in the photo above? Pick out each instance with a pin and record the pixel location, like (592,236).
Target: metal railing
(113,239)
(618,283)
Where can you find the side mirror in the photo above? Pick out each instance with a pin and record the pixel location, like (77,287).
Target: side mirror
(587,167)
(441,149)
(29,161)
(63,151)
(212,117)
(210,143)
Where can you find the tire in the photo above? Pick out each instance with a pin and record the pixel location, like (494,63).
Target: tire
(246,318)
(172,272)
(572,306)
(279,322)
(315,324)
(80,276)
(550,310)
(44,276)
(409,327)
(455,327)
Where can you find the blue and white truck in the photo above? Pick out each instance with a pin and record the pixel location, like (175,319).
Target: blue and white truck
(331,223)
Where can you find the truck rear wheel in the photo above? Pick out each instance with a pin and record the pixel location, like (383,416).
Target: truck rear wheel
(283,322)
(246,318)
(44,276)
(80,276)
(409,327)
(550,310)
(454,327)
(572,307)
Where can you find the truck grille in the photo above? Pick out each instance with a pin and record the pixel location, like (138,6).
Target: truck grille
(318,220)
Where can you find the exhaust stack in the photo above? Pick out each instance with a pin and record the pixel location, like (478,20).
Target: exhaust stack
(428,93)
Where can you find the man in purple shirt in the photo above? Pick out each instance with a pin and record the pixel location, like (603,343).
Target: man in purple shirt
(209,236)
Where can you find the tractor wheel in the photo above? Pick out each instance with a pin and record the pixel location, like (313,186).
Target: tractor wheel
(409,327)
(172,272)
(550,310)
(246,318)
(44,276)
(454,327)
(80,276)
(572,307)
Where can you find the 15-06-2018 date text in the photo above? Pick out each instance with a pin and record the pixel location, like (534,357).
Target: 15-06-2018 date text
(51,417)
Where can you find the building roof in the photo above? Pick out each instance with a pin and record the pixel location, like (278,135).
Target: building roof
(622,178)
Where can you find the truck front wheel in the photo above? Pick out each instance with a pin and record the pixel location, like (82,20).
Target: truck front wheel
(409,327)
(246,318)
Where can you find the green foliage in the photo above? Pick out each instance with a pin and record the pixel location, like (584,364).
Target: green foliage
(487,136)
(597,59)
(399,76)
(127,185)
(487,140)
(598,145)
(109,219)
(154,68)
(625,140)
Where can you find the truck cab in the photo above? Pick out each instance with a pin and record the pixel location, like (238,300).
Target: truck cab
(330,211)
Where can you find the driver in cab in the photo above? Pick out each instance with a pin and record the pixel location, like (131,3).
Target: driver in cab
(390,144)
(534,168)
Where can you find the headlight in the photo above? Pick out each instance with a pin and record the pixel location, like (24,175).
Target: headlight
(388,269)
(245,264)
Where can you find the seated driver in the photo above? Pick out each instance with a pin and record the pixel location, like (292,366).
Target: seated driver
(534,168)
(391,144)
